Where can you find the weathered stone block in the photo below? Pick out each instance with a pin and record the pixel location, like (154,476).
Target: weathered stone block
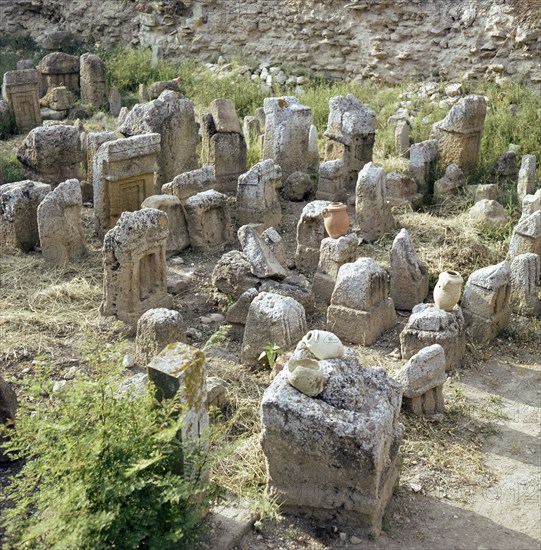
(19,203)
(310,233)
(272,318)
(409,276)
(361,309)
(429,325)
(124,173)
(209,220)
(334,456)
(257,198)
(135,278)
(486,302)
(178,238)
(156,329)
(59,223)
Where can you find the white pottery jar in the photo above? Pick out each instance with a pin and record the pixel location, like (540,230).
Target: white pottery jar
(447,290)
(306,376)
(323,344)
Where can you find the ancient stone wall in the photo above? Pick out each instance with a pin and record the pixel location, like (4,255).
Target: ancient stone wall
(388,40)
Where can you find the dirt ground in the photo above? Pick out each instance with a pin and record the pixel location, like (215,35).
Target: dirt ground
(469,480)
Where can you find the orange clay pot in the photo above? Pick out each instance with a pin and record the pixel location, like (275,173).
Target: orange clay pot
(336,220)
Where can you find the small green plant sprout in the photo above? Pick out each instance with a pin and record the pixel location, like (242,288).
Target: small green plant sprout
(271,352)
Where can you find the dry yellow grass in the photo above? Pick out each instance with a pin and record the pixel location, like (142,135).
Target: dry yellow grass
(43,308)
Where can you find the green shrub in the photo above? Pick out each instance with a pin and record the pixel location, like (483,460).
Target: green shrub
(13,170)
(103,470)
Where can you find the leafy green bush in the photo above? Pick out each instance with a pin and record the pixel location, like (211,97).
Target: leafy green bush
(13,170)
(103,469)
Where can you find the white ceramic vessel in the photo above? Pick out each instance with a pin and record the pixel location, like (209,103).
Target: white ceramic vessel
(447,290)
(306,376)
(324,344)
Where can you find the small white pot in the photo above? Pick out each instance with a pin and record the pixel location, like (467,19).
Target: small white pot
(323,344)
(447,290)
(306,376)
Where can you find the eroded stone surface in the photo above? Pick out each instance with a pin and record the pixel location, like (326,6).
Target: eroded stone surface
(336,455)
(361,309)
(409,276)
(59,223)
(19,203)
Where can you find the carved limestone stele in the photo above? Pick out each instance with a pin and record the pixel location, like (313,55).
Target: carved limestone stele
(135,272)
(124,176)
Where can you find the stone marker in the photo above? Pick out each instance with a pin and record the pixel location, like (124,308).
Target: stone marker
(20,89)
(94,92)
(525,282)
(187,184)
(430,325)
(287,133)
(332,185)
(402,138)
(488,191)
(174,119)
(59,223)
(459,134)
(526,235)
(527,180)
(124,172)
(351,130)
(334,253)
(422,379)
(423,158)
(488,213)
(156,329)
(409,276)
(361,309)
(257,198)
(310,233)
(209,220)
(263,262)
(271,318)
(58,99)
(178,238)
(52,153)
(298,187)
(115,101)
(401,189)
(135,278)
(19,203)
(486,302)
(60,69)
(226,152)
(179,371)
(251,130)
(450,184)
(232,275)
(94,140)
(372,212)
(334,457)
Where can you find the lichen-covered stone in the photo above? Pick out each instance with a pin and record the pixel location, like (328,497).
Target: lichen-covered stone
(174,119)
(156,329)
(409,276)
(336,455)
(135,278)
(19,203)
(59,224)
(263,262)
(430,325)
(486,302)
(257,197)
(52,153)
(271,318)
(525,283)
(361,309)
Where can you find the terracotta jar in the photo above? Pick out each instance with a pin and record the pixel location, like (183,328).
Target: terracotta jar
(447,290)
(336,220)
